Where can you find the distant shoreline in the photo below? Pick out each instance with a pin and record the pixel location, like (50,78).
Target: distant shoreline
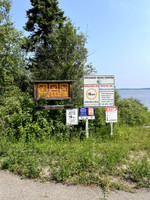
(133,89)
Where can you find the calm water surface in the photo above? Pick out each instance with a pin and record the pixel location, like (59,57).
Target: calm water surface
(143,95)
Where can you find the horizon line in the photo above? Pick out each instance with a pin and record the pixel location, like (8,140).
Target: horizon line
(146,88)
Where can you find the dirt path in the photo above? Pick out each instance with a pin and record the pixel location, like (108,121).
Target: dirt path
(13,188)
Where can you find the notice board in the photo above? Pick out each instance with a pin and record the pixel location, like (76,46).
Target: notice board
(99,90)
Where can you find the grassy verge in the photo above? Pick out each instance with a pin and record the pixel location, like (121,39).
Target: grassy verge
(120,162)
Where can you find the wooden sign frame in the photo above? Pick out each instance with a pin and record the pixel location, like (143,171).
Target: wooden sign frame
(59,86)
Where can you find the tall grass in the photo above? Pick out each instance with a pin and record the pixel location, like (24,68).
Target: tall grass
(124,158)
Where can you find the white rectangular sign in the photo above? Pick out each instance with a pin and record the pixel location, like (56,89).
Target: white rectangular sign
(99,90)
(72,116)
(111,114)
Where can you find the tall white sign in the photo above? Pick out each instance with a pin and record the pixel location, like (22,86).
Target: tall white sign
(99,90)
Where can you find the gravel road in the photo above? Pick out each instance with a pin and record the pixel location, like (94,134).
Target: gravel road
(14,188)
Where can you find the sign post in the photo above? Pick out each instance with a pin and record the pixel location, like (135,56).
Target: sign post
(87,128)
(111,129)
(86,113)
(111,117)
(71,119)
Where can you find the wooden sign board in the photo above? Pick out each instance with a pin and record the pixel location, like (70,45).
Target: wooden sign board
(53,90)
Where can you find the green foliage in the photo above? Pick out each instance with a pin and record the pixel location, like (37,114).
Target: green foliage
(112,156)
(98,127)
(16,110)
(21,160)
(91,161)
(139,171)
(27,146)
(132,112)
(12,65)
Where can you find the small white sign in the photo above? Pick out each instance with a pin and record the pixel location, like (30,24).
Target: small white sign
(111,114)
(72,116)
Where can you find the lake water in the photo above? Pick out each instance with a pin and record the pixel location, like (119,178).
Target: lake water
(143,95)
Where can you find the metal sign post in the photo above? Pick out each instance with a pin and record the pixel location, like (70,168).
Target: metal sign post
(111,126)
(88,114)
(87,128)
(111,117)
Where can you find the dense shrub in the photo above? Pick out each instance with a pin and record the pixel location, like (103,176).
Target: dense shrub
(16,118)
(131,112)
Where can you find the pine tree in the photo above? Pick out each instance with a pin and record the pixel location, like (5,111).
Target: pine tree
(56,48)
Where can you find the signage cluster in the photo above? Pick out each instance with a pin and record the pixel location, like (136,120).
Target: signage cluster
(98,92)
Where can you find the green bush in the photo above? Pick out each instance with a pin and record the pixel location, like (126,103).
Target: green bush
(16,119)
(131,112)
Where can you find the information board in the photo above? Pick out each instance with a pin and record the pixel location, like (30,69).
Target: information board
(52,90)
(86,113)
(72,117)
(99,90)
(111,114)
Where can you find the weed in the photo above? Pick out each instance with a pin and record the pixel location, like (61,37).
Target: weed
(139,171)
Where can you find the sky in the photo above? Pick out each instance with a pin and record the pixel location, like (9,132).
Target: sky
(118,35)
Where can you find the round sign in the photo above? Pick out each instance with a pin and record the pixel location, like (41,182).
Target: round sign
(91,94)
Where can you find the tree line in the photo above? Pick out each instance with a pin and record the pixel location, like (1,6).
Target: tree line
(53,50)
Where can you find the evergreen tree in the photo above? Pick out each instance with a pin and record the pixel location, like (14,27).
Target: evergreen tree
(57,48)
(43,19)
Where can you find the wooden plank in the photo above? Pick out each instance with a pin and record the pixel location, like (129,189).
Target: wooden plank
(68,98)
(52,81)
(35,94)
(71,93)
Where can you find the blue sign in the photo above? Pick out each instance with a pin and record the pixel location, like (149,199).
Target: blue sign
(86,113)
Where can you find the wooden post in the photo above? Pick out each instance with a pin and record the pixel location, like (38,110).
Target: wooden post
(72,133)
(71,93)
(35,102)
